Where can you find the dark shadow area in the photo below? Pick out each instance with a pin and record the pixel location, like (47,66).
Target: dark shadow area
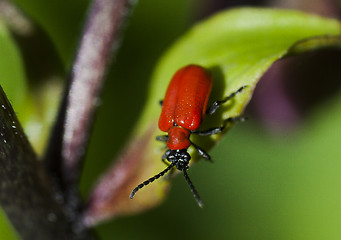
(292,88)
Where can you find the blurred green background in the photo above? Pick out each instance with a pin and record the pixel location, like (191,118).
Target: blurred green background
(263,184)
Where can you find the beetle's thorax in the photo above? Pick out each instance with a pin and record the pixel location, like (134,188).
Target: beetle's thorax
(178,138)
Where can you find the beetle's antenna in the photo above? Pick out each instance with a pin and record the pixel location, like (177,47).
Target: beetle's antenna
(150,180)
(194,191)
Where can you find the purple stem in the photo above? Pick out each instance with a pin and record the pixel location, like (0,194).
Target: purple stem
(99,42)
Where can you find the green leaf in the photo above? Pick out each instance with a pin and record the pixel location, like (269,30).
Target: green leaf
(12,73)
(6,229)
(242,44)
(31,81)
(238,46)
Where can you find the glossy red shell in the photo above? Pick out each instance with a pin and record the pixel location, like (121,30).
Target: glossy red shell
(184,105)
(186,98)
(178,138)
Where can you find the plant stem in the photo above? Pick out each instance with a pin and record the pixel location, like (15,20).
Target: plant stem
(26,195)
(69,141)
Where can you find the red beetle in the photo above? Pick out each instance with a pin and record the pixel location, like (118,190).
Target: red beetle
(183,110)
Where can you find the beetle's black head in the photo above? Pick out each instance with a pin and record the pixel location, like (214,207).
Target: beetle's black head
(180,158)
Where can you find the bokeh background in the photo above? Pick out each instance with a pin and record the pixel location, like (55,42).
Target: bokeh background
(276,176)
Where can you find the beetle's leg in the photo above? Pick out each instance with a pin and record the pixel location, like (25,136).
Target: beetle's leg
(164,160)
(210,110)
(208,132)
(231,120)
(202,152)
(216,130)
(165,156)
(161,103)
(162,138)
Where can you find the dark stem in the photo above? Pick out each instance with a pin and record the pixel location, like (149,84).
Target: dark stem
(69,141)
(26,195)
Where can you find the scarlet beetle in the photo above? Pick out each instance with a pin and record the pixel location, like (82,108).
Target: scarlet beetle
(183,110)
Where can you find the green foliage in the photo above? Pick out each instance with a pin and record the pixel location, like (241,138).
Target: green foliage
(6,230)
(241,44)
(12,73)
(64,31)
